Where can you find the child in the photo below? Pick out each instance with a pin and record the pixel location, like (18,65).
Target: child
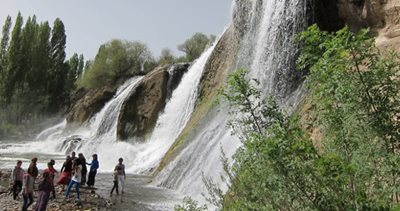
(115,182)
(17,177)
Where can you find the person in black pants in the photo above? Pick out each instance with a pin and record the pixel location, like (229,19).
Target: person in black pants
(17,177)
(115,187)
(84,169)
(94,165)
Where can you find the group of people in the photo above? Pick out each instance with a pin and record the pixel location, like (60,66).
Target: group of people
(73,173)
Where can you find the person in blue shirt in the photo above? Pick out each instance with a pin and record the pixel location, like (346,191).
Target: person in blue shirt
(94,165)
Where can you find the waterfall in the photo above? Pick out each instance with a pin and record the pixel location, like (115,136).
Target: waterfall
(172,121)
(100,134)
(103,129)
(266,30)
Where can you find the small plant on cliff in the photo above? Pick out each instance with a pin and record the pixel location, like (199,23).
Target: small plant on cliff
(190,205)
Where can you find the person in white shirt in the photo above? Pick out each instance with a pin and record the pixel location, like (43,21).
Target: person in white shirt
(120,168)
(76,180)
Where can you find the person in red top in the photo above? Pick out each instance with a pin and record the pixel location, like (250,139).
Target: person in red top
(52,172)
(66,172)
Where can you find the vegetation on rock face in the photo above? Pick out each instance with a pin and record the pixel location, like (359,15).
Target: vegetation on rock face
(355,93)
(115,60)
(189,205)
(35,78)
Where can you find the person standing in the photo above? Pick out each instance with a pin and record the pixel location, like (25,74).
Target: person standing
(66,172)
(84,168)
(73,156)
(94,165)
(17,177)
(52,173)
(120,168)
(35,170)
(76,180)
(115,181)
(45,187)
(27,187)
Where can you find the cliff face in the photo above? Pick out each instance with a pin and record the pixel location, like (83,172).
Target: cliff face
(140,111)
(381,16)
(89,104)
(389,35)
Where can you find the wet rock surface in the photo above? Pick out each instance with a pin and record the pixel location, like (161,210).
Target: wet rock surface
(90,200)
(140,111)
(138,196)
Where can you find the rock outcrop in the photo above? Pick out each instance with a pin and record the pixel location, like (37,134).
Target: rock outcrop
(381,16)
(140,111)
(389,35)
(88,105)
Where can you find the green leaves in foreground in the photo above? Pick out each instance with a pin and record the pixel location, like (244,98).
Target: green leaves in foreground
(354,90)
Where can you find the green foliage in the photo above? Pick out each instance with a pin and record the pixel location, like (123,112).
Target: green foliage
(4,46)
(117,59)
(166,57)
(189,205)
(194,46)
(274,169)
(35,79)
(355,93)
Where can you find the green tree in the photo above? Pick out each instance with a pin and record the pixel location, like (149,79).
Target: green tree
(28,40)
(4,45)
(355,91)
(14,71)
(75,65)
(194,46)
(59,69)
(81,66)
(166,57)
(117,59)
(40,66)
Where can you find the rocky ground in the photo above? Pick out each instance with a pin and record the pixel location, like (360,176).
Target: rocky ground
(90,199)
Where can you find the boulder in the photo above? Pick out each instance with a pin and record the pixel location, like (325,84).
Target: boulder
(139,112)
(88,105)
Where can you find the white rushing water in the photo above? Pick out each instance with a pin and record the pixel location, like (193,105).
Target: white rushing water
(99,136)
(268,51)
(266,30)
(172,121)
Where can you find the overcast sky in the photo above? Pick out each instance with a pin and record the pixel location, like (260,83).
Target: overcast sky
(158,23)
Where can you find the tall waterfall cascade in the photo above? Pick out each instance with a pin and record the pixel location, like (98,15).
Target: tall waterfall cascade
(265,31)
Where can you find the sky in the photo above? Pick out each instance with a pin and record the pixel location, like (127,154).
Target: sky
(158,23)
